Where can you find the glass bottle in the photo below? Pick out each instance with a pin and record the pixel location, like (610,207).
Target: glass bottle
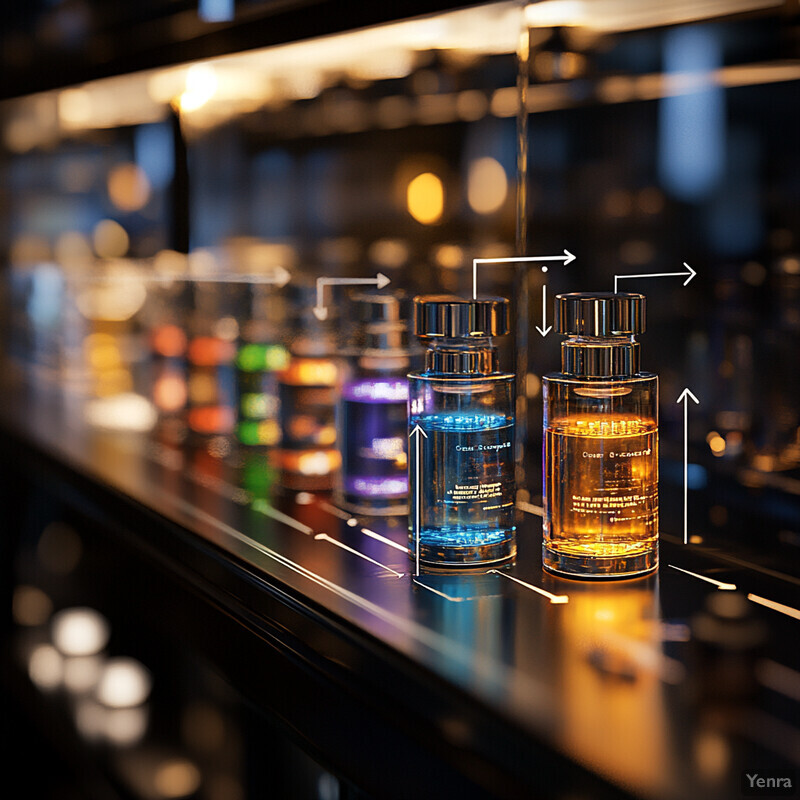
(308,389)
(600,462)
(461,429)
(165,314)
(260,358)
(210,355)
(373,413)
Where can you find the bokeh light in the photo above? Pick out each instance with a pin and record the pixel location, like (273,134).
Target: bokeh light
(425,198)
(80,631)
(125,683)
(128,187)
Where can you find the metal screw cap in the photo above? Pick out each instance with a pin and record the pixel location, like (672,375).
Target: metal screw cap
(600,313)
(452,317)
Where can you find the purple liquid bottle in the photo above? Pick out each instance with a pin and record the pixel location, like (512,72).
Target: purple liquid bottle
(373,414)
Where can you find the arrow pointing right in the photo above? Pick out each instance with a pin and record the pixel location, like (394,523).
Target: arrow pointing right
(691,273)
(567,258)
(278,276)
(416,431)
(684,398)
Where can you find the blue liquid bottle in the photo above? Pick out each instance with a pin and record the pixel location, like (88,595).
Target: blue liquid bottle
(461,460)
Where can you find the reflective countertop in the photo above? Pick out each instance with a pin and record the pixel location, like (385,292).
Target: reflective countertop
(610,675)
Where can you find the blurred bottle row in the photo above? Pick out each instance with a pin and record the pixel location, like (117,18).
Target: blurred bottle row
(229,362)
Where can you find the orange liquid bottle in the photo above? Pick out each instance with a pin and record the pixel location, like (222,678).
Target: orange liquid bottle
(600,442)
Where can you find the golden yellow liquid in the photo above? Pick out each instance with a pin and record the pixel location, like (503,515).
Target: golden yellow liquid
(601,495)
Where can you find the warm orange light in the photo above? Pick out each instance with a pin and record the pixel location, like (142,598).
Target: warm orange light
(102,351)
(113,381)
(169,392)
(206,351)
(327,434)
(176,778)
(202,389)
(717,445)
(269,432)
(310,462)
(75,107)
(317,463)
(301,426)
(425,198)
(311,372)
(168,341)
(213,419)
(450,256)
(128,187)
(110,239)
(201,85)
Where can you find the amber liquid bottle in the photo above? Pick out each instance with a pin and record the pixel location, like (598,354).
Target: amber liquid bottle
(600,458)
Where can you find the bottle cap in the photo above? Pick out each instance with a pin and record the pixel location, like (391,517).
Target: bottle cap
(456,318)
(600,313)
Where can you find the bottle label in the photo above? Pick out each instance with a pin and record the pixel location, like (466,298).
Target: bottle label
(481,469)
(602,478)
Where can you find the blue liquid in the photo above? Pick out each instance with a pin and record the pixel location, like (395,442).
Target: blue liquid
(466,487)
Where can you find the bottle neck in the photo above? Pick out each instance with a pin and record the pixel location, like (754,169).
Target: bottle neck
(462,356)
(600,356)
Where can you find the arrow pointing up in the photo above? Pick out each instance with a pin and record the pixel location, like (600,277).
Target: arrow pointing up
(416,431)
(320,310)
(684,398)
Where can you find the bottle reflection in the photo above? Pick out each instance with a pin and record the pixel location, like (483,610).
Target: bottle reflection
(608,671)
(473,612)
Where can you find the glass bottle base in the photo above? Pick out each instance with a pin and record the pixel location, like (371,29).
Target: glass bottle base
(445,555)
(599,566)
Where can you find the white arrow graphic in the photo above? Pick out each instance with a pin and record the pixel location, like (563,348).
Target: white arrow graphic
(323,537)
(277,277)
(557,599)
(730,587)
(684,398)
(566,259)
(321,312)
(544,330)
(417,500)
(688,275)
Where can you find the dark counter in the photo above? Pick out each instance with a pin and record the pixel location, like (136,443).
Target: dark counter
(475,685)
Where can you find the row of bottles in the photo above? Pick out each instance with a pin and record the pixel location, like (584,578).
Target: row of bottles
(343,412)
(600,459)
(341,401)
(324,399)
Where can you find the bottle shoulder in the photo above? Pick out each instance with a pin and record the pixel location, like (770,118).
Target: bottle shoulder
(639,377)
(448,377)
